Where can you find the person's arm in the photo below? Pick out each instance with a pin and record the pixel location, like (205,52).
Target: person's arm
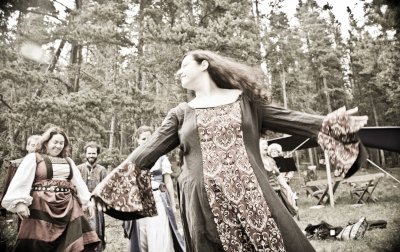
(170,188)
(166,172)
(335,133)
(81,189)
(114,194)
(20,186)
(283,184)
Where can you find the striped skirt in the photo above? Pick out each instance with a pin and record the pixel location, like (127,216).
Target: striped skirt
(56,222)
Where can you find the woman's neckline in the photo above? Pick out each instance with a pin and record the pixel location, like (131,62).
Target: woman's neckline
(237,99)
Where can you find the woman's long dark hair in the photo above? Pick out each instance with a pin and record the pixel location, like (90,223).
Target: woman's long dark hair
(230,74)
(41,146)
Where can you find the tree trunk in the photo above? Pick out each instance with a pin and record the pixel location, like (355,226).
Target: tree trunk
(328,100)
(297,160)
(316,158)
(121,149)
(395,159)
(112,133)
(382,156)
(374,154)
(24,140)
(55,58)
(284,88)
(310,154)
(75,60)
(257,13)
(346,102)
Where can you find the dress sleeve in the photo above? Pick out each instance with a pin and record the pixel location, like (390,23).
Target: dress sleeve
(341,143)
(20,186)
(332,133)
(81,187)
(120,190)
(290,122)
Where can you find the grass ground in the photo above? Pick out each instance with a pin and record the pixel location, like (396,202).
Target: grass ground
(382,240)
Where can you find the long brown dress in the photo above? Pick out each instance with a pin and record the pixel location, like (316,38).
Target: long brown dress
(232,227)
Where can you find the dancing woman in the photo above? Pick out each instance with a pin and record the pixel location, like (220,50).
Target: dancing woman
(226,203)
(49,195)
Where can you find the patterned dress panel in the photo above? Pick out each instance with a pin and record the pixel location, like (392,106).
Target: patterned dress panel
(242,216)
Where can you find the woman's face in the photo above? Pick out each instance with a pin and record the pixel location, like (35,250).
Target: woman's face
(274,153)
(55,145)
(264,147)
(143,137)
(190,72)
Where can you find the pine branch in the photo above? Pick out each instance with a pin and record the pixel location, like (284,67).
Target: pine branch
(44,14)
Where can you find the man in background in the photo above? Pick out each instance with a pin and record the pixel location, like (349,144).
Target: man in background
(93,173)
(12,168)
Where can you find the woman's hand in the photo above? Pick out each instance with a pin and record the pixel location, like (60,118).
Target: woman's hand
(90,211)
(22,211)
(99,203)
(356,122)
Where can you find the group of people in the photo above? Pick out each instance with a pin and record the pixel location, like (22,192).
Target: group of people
(227,199)
(47,192)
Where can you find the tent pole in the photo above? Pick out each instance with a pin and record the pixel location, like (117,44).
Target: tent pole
(383,170)
(297,147)
(328,173)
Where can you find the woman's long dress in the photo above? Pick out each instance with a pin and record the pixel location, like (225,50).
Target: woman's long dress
(56,222)
(199,217)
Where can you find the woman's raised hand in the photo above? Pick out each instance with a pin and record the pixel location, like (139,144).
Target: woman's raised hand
(356,122)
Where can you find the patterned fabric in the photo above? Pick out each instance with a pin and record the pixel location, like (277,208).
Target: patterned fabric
(92,177)
(339,140)
(128,189)
(242,216)
(57,160)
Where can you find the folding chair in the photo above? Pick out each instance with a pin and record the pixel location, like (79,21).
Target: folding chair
(319,189)
(362,187)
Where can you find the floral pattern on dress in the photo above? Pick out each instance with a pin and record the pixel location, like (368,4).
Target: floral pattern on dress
(128,189)
(241,213)
(340,140)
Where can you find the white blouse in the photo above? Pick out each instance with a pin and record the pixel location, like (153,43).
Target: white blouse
(21,184)
(166,169)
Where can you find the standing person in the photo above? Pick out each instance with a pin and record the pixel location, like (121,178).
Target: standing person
(158,233)
(12,169)
(49,195)
(276,179)
(275,150)
(92,174)
(225,202)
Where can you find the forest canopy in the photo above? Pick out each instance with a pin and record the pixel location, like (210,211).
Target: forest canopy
(101,69)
